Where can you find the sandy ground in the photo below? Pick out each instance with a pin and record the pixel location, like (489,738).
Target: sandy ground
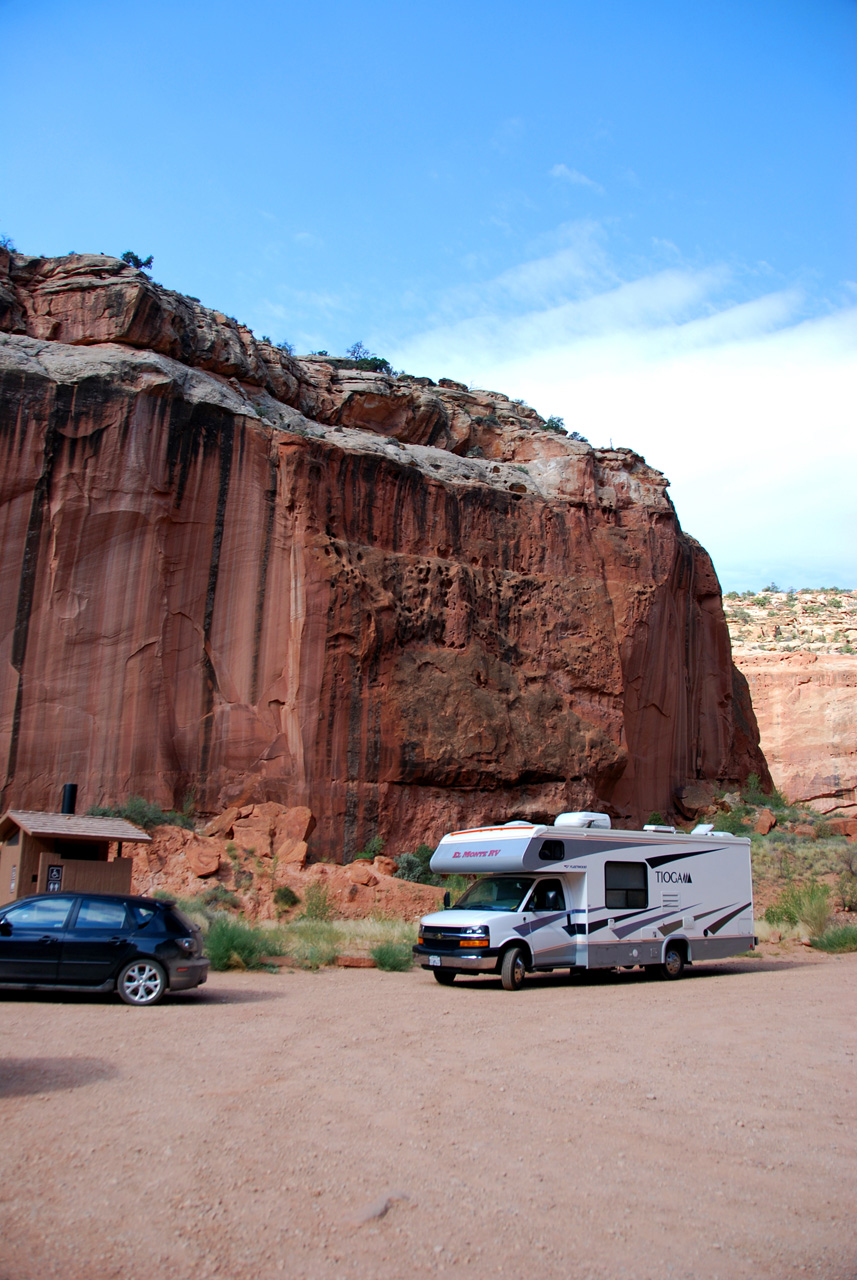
(578,1128)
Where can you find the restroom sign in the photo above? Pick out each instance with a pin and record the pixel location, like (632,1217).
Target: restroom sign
(54,879)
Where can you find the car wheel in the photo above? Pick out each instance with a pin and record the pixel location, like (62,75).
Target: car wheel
(513,970)
(445,977)
(673,965)
(142,982)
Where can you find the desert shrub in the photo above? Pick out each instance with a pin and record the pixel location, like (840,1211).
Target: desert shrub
(807,905)
(219,896)
(311,943)
(847,883)
(363,358)
(575,435)
(754,793)
(144,814)
(229,944)
(6,243)
(655,819)
(733,822)
(396,957)
(284,898)
(374,848)
(841,938)
(555,423)
(415,866)
(317,903)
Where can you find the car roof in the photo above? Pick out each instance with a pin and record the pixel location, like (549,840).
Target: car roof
(100,897)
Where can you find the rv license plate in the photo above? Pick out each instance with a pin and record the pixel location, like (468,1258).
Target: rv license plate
(434,961)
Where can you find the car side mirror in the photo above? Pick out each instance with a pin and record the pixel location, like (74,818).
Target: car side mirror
(5,928)
(447,901)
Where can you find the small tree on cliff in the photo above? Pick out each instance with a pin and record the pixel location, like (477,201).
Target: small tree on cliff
(142,264)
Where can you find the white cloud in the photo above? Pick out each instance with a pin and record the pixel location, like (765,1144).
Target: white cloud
(574,175)
(744,400)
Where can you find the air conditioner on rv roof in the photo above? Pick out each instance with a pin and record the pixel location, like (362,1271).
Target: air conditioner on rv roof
(583,820)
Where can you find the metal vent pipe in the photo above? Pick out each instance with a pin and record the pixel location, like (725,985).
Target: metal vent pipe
(69,797)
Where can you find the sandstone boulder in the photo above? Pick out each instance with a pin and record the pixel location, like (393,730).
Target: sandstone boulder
(694,798)
(765,822)
(387,866)
(291,852)
(843,826)
(203,858)
(361,872)
(222,824)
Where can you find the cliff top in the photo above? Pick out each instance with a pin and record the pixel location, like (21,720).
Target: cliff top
(807,621)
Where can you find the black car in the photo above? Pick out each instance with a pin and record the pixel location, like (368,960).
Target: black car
(139,947)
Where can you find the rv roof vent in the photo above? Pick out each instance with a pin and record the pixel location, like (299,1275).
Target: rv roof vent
(660,826)
(518,822)
(583,820)
(724,835)
(703,829)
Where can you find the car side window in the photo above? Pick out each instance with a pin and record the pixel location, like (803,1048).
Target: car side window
(44,913)
(94,914)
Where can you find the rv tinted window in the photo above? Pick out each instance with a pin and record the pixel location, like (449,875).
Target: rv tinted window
(625,885)
(552,851)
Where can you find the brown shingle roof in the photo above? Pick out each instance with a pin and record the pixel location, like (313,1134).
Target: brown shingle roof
(69,824)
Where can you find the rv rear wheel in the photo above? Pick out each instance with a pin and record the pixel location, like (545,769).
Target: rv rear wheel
(444,976)
(673,965)
(513,969)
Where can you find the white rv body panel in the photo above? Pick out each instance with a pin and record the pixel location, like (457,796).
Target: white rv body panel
(594,898)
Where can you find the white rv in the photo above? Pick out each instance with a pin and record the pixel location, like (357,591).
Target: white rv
(579,895)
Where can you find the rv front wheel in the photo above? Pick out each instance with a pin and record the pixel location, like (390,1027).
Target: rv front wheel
(444,976)
(673,965)
(513,969)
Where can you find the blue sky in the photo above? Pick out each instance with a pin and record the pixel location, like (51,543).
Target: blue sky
(637,215)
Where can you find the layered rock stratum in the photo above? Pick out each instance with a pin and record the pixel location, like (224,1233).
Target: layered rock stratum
(798,650)
(249,577)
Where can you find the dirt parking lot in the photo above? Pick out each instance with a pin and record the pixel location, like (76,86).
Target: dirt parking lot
(366,1124)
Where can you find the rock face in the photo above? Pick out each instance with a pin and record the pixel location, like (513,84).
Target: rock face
(258,579)
(806,704)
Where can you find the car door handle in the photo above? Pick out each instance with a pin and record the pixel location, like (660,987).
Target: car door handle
(48,937)
(115,941)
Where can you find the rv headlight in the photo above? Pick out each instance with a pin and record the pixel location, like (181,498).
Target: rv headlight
(475,937)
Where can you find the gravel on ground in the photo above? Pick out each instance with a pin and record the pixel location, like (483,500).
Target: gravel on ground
(355,1123)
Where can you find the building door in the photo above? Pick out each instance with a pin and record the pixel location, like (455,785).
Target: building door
(96,943)
(31,934)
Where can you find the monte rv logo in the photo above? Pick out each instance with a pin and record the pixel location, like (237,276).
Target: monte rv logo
(673,877)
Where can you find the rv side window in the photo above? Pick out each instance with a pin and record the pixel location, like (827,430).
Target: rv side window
(625,885)
(552,851)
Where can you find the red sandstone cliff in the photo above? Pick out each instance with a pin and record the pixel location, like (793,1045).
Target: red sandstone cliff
(229,571)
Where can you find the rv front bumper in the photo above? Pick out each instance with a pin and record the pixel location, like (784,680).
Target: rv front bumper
(482,960)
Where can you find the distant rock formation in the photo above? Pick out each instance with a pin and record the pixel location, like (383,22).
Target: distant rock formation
(231,572)
(806,706)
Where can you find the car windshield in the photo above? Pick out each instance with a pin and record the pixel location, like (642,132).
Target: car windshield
(500,893)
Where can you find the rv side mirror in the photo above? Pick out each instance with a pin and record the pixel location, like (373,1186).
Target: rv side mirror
(447,901)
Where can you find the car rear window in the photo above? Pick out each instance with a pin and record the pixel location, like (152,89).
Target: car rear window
(176,921)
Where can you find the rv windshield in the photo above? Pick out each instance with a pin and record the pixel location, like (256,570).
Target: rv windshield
(499,893)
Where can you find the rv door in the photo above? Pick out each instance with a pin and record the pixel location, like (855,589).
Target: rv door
(547,924)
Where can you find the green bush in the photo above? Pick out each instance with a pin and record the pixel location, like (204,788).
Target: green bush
(807,905)
(219,896)
(311,943)
(230,944)
(284,898)
(555,423)
(842,938)
(415,866)
(753,793)
(317,904)
(733,822)
(144,814)
(142,264)
(374,848)
(396,957)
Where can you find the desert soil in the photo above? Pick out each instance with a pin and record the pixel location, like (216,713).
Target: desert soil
(622,1127)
